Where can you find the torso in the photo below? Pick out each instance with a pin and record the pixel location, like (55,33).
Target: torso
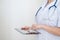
(50,18)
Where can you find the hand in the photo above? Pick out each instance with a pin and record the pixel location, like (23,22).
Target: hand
(36,27)
(26,28)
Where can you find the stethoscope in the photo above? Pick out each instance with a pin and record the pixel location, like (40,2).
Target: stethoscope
(49,7)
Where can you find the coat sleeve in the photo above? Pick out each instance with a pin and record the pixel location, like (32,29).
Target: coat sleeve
(58,17)
(59,22)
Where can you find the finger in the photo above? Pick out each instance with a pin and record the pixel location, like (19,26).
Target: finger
(25,28)
(33,28)
(33,24)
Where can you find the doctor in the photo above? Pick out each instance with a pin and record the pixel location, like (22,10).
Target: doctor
(48,21)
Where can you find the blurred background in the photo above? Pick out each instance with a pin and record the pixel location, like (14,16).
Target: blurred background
(15,14)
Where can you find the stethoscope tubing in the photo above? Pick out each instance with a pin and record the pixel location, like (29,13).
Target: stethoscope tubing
(49,7)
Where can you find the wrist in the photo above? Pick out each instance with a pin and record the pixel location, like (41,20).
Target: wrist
(43,26)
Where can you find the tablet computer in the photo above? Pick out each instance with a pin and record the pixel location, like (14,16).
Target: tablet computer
(27,32)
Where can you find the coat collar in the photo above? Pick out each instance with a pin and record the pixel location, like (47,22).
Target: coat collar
(52,3)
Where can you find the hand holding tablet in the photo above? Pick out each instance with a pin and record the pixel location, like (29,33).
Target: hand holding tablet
(27,30)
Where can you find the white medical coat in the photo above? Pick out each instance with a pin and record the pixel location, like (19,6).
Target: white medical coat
(48,17)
